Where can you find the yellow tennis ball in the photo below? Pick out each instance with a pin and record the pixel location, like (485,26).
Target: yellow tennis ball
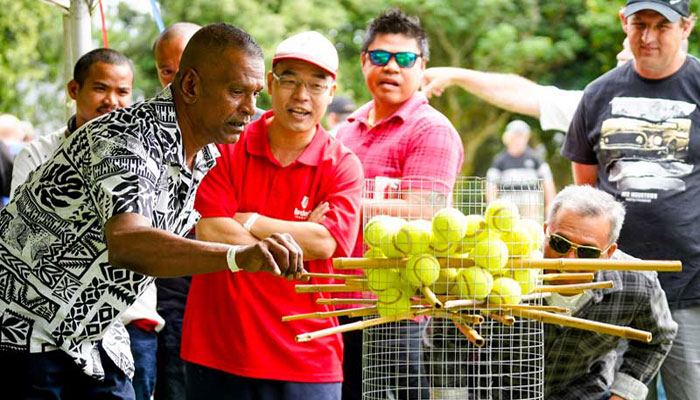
(443,249)
(388,242)
(491,254)
(527,278)
(536,231)
(474,283)
(449,226)
(446,281)
(382,279)
(518,240)
(414,237)
(422,270)
(375,229)
(394,301)
(374,252)
(505,291)
(475,230)
(501,215)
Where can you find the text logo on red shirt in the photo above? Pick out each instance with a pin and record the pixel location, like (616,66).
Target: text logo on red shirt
(302,214)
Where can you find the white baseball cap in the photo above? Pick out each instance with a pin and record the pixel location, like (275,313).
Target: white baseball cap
(309,46)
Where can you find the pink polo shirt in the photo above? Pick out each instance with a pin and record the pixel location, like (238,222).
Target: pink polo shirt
(417,143)
(233,322)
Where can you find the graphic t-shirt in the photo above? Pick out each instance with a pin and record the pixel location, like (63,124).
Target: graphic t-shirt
(517,172)
(643,135)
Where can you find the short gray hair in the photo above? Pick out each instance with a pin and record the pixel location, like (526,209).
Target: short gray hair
(587,201)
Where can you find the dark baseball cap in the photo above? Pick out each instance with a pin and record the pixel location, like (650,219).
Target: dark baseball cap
(672,10)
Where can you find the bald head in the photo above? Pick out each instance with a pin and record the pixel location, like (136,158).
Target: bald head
(11,129)
(168,48)
(203,52)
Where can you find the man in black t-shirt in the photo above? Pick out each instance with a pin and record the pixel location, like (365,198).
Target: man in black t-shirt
(516,170)
(635,135)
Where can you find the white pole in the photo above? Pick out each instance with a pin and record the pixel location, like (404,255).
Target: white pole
(77,41)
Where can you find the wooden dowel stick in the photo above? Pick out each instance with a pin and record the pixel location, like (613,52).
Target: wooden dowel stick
(573,287)
(474,319)
(580,323)
(456,304)
(333,276)
(561,264)
(324,314)
(470,333)
(430,296)
(348,287)
(583,277)
(507,320)
(354,326)
(555,309)
(335,302)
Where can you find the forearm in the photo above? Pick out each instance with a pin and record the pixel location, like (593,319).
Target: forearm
(315,240)
(550,192)
(155,252)
(508,91)
(584,174)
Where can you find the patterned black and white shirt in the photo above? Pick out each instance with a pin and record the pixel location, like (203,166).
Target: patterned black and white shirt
(57,289)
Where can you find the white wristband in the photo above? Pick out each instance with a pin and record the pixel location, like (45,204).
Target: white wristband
(251,220)
(231,258)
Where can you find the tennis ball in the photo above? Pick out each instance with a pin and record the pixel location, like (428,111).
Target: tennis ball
(374,252)
(491,254)
(388,241)
(375,229)
(446,281)
(501,215)
(475,230)
(443,249)
(527,278)
(536,232)
(474,283)
(422,270)
(382,279)
(414,237)
(518,240)
(394,301)
(449,226)
(505,291)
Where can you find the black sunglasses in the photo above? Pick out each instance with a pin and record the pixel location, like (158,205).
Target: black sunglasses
(562,245)
(404,59)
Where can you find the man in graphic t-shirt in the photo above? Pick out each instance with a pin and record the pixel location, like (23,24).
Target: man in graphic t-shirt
(635,135)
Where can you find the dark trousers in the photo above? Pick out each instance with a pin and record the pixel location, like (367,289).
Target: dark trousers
(144,346)
(172,298)
(352,361)
(205,383)
(54,375)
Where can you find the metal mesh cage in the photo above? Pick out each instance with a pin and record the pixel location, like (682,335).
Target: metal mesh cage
(476,350)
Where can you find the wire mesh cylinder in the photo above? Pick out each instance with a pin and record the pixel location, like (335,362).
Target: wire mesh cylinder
(461,246)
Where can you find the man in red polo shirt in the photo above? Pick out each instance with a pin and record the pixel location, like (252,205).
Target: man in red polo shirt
(399,135)
(285,165)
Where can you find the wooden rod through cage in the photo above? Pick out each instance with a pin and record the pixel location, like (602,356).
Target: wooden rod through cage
(507,320)
(580,323)
(331,287)
(573,287)
(359,325)
(561,264)
(570,276)
(470,333)
(350,277)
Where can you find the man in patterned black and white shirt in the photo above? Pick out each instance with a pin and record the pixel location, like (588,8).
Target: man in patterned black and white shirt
(83,237)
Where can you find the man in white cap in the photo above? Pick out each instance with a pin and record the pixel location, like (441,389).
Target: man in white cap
(634,137)
(518,168)
(284,166)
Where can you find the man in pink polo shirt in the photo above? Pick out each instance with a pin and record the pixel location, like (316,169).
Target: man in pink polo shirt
(284,166)
(399,135)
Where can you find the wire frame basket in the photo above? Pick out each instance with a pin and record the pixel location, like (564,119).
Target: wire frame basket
(476,350)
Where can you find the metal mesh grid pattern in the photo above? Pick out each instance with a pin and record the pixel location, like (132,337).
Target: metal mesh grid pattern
(429,357)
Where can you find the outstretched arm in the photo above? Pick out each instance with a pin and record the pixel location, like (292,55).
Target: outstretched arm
(508,91)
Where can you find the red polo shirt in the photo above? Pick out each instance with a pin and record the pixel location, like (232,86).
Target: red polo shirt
(233,322)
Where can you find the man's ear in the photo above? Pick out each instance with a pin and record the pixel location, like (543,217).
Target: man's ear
(623,20)
(363,58)
(610,251)
(190,86)
(72,88)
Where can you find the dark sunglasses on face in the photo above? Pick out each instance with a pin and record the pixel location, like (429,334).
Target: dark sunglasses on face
(404,59)
(563,245)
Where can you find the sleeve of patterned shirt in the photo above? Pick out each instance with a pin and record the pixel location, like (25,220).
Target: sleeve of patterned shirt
(642,361)
(436,154)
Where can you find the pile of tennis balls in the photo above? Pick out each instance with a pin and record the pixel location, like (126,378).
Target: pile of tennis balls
(490,240)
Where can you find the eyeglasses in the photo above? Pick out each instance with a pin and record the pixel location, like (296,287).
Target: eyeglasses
(563,245)
(404,59)
(288,82)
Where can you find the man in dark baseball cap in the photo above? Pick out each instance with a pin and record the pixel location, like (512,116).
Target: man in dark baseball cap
(672,10)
